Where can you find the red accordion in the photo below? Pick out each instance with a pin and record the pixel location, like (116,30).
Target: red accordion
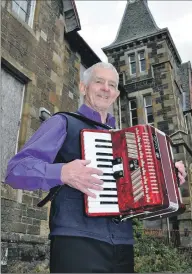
(139,174)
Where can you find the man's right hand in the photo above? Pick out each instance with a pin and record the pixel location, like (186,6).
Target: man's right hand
(76,174)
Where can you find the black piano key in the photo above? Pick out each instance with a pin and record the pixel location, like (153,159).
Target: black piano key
(109,181)
(110,203)
(104,154)
(103,160)
(111,189)
(108,195)
(103,141)
(110,166)
(103,146)
(106,174)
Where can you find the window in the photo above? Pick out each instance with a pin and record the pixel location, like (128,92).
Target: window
(132,63)
(137,62)
(148,110)
(186,121)
(133,112)
(12,98)
(25,10)
(142,61)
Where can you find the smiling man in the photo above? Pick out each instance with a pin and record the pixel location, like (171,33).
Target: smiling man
(51,159)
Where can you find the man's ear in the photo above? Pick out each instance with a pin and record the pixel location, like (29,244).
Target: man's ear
(118,93)
(82,88)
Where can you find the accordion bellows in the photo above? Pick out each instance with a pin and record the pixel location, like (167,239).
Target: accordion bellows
(140,179)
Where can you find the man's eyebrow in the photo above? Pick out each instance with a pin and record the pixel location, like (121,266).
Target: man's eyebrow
(100,78)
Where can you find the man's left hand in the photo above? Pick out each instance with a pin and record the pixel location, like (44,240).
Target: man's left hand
(181,171)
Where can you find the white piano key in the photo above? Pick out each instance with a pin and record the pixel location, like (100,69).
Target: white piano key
(94,147)
(108,157)
(99,205)
(96,163)
(109,185)
(94,158)
(97,135)
(106,170)
(102,199)
(105,192)
(97,141)
(90,151)
(107,177)
(112,209)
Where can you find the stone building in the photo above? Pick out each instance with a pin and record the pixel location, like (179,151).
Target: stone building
(157,91)
(43,57)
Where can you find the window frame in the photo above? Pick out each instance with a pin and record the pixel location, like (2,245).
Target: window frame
(147,106)
(132,62)
(186,123)
(130,110)
(29,13)
(141,59)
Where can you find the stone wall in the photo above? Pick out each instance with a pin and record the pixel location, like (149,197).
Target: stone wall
(44,60)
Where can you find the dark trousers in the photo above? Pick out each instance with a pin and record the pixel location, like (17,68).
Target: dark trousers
(85,255)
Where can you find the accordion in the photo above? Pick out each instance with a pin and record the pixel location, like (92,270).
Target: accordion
(139,175)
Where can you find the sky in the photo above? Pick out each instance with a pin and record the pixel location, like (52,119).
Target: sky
(100,21)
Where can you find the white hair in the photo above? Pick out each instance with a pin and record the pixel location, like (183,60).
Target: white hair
(88,73)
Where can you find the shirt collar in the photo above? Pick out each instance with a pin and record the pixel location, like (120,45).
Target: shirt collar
(95,116)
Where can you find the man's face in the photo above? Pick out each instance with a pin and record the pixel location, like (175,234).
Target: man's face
(101,92)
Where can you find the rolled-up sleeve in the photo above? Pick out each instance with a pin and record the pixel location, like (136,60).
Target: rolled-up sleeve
(32,167)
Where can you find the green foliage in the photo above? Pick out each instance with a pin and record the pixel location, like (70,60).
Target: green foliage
(153,254)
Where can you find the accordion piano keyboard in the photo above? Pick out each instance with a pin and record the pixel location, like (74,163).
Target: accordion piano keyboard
(98,149)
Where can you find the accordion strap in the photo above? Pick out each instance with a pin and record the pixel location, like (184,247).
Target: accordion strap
(88,121)
(81,117)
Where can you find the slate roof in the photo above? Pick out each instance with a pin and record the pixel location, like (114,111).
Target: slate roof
(137,21)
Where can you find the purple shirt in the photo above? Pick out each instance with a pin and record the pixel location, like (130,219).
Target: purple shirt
(32,167)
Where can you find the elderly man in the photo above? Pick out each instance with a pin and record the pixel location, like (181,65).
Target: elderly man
(52,158)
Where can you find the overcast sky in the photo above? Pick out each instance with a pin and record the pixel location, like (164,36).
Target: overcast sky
(100,21)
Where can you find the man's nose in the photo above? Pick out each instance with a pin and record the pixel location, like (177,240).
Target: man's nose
(106,86)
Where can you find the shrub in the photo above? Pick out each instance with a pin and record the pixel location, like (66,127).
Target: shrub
(153,254)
